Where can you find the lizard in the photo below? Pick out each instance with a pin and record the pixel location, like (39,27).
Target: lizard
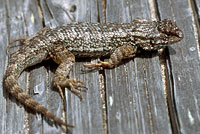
(64,43)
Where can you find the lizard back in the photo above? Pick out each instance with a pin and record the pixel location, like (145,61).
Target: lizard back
(96,40)
(92,39)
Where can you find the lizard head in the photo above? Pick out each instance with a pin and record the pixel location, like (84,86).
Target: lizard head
(170,31)
(160,34)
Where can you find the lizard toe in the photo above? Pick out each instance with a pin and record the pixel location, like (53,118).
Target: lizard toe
(72,84)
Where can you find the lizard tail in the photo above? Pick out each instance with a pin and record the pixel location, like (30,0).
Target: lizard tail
(16,91)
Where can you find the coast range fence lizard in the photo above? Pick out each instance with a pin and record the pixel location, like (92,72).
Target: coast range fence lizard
(82,39)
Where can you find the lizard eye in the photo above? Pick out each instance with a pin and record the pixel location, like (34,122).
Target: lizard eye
(169,28)
(166,26)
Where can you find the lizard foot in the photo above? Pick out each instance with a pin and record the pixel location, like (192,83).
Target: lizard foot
(99,64)
(72,84)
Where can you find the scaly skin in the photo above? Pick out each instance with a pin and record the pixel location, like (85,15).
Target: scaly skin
(64,43)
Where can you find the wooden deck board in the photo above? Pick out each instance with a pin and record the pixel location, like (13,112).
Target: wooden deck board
(3,47)
(184,67)
(86,115)
(135,94)
(131,98)
(15,29)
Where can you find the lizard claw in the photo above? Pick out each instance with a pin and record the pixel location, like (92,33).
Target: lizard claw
(72,84)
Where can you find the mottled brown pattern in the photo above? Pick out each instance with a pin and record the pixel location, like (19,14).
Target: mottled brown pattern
(64,43)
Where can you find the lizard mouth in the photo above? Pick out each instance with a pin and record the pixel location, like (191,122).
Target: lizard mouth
(175,36)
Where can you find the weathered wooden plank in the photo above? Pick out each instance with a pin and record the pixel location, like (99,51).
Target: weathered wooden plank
(38,89)
(184,68)
(135,93)
(197,5)
(37,76)
(31,23)
(15,23)
(40,84)
(54,103)
(3,46)
(85,115)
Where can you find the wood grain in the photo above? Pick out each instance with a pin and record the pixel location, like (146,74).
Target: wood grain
(138,96)
(135,94)
(184,66)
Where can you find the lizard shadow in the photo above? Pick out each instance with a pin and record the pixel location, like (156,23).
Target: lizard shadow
(150,54)
(144,54)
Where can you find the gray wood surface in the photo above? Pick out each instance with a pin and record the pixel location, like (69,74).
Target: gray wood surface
(145,95)
(14,28)
(184,66)
(4,40)
(135,94)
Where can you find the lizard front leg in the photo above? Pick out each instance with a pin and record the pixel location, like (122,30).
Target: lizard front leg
(123,52)
(65,59)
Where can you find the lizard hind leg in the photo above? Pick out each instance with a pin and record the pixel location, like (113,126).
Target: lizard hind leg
(65,59)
